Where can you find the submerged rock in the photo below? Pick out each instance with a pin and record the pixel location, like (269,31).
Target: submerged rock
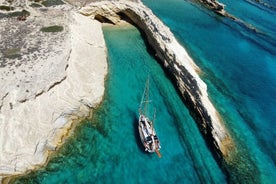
(176,62)
(50,79)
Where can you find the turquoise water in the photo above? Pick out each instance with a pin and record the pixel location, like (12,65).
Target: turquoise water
(107,149)
(239,67)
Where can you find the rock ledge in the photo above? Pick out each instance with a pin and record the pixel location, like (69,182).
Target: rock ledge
(52,80)
(176,61)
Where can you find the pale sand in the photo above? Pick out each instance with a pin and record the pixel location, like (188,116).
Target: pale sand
(30,125)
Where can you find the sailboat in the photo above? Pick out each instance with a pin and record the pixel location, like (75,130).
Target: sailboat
(147,132)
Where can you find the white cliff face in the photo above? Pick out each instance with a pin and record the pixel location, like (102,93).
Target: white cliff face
(175,60)
(60,77)
(39,105)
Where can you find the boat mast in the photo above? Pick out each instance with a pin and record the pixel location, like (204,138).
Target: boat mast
(154,115)
(147,97)
(144,102)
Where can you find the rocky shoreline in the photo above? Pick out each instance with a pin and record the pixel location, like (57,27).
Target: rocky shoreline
(50,80)
(52,74)
(176,62)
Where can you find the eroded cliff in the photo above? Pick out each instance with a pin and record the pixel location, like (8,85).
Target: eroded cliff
(52,71)
(176,62)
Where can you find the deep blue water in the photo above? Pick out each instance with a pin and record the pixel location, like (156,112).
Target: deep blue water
(107,148)
(239,67)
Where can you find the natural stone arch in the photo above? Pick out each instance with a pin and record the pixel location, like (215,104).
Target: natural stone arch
(103,19)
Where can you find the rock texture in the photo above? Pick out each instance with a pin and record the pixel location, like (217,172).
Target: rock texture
(48,81)
(214,5)
(176,61)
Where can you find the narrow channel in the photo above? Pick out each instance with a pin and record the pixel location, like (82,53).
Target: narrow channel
(107,147)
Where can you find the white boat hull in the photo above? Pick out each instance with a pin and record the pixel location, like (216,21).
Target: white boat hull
(148,135)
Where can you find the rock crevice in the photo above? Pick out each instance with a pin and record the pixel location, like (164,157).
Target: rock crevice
(176,62)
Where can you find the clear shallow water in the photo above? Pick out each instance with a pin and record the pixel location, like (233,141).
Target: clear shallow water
(107,149)
(240,69)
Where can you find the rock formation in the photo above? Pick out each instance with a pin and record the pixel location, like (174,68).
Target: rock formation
(176,62)
(214,5)
(49,80)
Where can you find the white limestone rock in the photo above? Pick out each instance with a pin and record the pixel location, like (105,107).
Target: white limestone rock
(59,86)
(176,61)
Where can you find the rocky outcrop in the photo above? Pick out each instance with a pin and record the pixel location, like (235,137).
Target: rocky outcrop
(214,5)
(176,62)
(49,80)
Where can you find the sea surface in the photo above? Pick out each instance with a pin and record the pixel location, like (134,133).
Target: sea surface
(238,62)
